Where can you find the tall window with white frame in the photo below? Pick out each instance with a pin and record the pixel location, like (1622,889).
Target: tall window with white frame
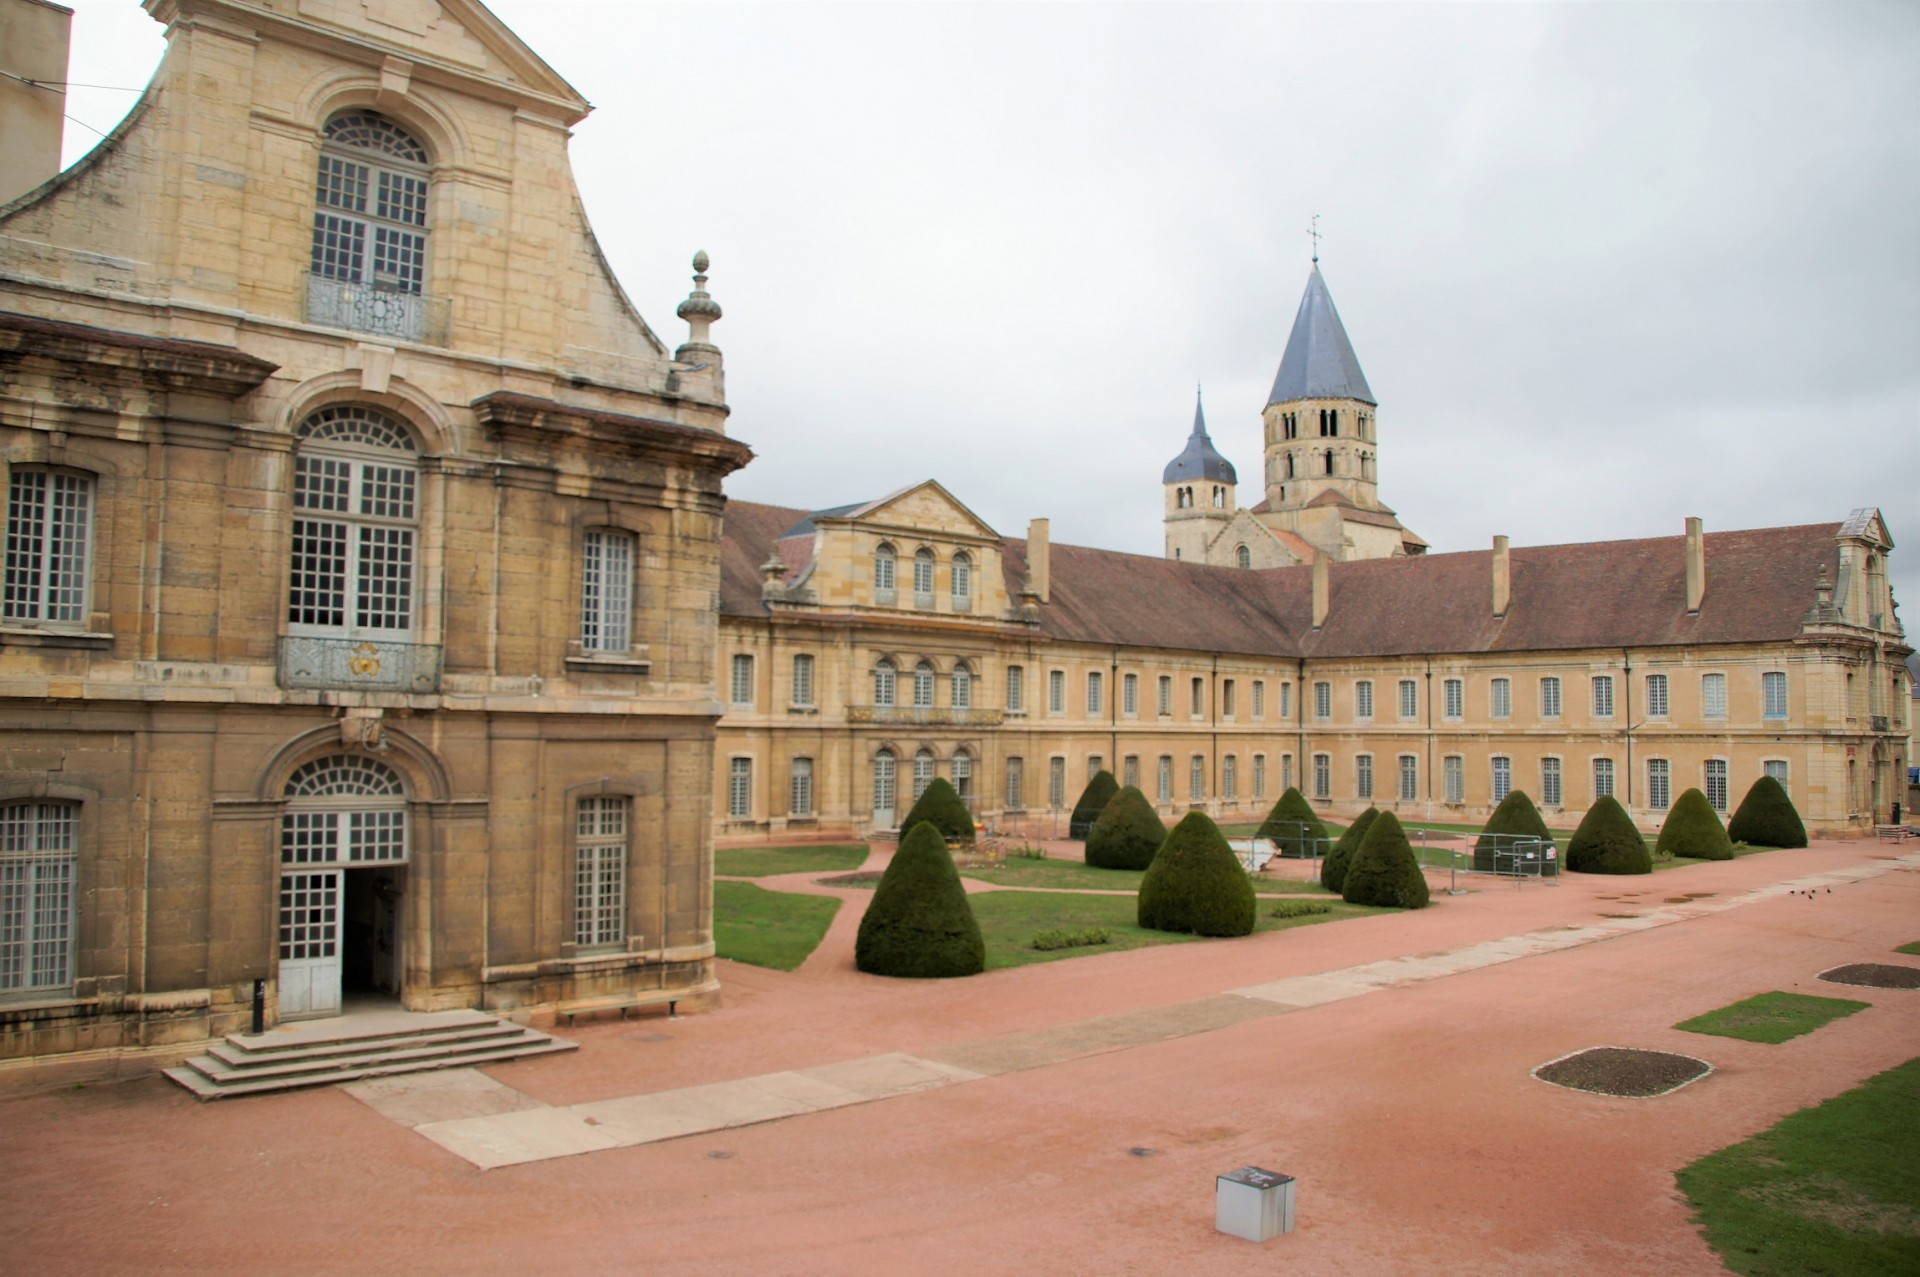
(885,684)
(1259,698)
(963,776)
(1165,703)
(606,592)
(802,692)
(886,782)
(600,871)
(1130,695)
(1602,778)
(38,868)
(1659,784)
(1713,695)
(1550,795)
(1056,691)
(923,687)
(1500,698)
(1259,776)
(1016,690)
(922,772)
(1095,685)
(1363,776)
(923,577)
(1502,776)
(1286,701)
(740,789)
(1717,784)
(1095,764)
(962,686)
(1455,692)
(740,685)
(1453,770)
(962,591)
(1656,696)
(885,564)
(1550,696)
(1776,768)
(1409,777)
(1362,700)
(1773,694)
(1323,701)
(1230,778)
(49,532)
(800,787)
(1197,778)
(1164,787)
(1056,783)
(1409,698)
(1130,770)
(1016,785)
(1603,696)
(356,517)
(369,261)
(1323,776)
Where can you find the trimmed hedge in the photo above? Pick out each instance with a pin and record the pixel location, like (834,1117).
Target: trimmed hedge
(1333,873)
(1766,818)
(1093,800)
(1384,870)
(1516,814)
(1127,833)
(941,805)
(1607,842)
(1282,825)
(918,924)
(1693,829)
(1196,884)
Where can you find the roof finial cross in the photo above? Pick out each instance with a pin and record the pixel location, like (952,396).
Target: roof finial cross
(1313,232)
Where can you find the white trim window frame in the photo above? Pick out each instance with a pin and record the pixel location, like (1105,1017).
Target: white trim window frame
(1715,776)
(961,688)
(1322,701)
(886,680)
(1603,696)
(740,682)
(923,682)
(1453,770)
(1552,789)
(1056,691)
(1502,776)
(1259,776)
(1016,689)
(39,865)
(1550,696)
(1409,699)
(1363,776)
(1259,699)
(1323,776)
(1773,695)
(802,691)
(1455,692)
(606,591)
(740,789)
(1130,695)
(1602,778)
(1409,777)
(600,871)
(1659,784)
(370,205)
(800,787)
(1362,700)
(1197,779)
(1500,698)
(1164,787)
(356,527)
(49,547)
(1713,696)
(1657,700)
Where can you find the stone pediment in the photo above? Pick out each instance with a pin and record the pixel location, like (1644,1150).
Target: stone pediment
(925,508)
(1266,547)
(1867,524)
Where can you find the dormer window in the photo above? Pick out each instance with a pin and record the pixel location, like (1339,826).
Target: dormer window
(369,259)
(883,573)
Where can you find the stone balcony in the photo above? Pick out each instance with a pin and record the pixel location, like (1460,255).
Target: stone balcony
(910,716)
(361,665)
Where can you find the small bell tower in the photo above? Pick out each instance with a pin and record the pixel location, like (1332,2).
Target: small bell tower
(1199,487)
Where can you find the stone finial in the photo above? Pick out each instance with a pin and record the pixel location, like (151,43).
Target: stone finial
(773,573)
(699,310)
(1823,591)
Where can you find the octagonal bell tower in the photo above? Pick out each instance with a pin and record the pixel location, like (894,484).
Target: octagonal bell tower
(1199,487)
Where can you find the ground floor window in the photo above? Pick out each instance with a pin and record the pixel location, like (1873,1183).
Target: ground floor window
(1659,784)
(1259,772)
(37,869)
(1323,776)
(1409,778)
(1016,785)
(1197,779)
(1166,778)
(1230,778)
(963,776)
(1454,769)
(600,874)
(800,789)
(1603,778)
(1550,782)
(1363,776)
(740,789)
(1132,770)
(1056,782)
(922,772)
(1777,768)
(1717,783)
(1502,777)
(884,783)
(1286,771)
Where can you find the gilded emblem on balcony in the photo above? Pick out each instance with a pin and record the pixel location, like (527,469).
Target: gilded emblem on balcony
(365,662)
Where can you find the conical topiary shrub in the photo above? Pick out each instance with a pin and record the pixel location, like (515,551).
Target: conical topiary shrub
(1093,800)
(1384,870)
(1284,825)
(1693,829)
(1607,842)
(1516,814)
(919,924)
(1196,884)
(940,804)
(1333,874)
(1766,818)
(1127,833)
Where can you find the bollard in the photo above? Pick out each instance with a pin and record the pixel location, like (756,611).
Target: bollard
(259,1006)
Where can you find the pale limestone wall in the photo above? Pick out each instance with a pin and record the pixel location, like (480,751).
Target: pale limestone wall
(33,46)
(1355,473)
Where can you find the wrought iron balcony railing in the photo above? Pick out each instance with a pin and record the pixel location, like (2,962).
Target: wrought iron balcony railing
(340,303)
(366,665)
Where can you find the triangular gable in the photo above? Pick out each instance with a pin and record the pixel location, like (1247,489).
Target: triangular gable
(1867,524)
(911,506)
(1246,527)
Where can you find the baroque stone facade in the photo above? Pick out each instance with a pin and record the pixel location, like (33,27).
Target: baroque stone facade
(362,543)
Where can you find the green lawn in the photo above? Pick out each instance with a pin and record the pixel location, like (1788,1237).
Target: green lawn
(1009,920)
(1075,874)
(1910,947)
(764,862)
(1833,1189)
(1772,1017)
(1674,862)
(768,928)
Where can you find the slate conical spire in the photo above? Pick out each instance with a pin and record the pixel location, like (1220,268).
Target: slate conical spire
(1199,460)
(1319,363)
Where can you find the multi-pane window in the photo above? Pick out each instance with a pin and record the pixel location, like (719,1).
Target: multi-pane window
(800,788)
(884,563)
(1362,699)
(962,687)
(922,772)
(1259,775)
(1130,770)
(1230,778)
(1773,693)
(1550,697)
(1550,782)
(600,871)
(1165,778)
(1776,768)
(1286,771)
(1500,698)
(37,869)
(1094,764)
(1713,695)
(1016,785)
(1323,776)
(886,781)
(923,687)
(1197,700)
(963,776)
(1056,782)
(606,592)
(962,582)
(1717,783)
(345,809)
(803,679)
(1455,691)
(1453,770)
(1056,691)
(1197,778)
(354,525)
(1363,776)
(1094,689)
(740,788)
(370,218)
(1502,776)
(1286,700)
(1165,704)
(1323,701)
(1603,778)
(49,519)
(1656,696)
(1409,698)
(1259,698)
(740,687)
(1409,777)
(1016,689)
(923,578)
(1603,696)
(1130,694)
(884,681)
(1659,784)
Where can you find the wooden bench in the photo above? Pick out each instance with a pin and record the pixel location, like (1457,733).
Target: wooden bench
(621,1002)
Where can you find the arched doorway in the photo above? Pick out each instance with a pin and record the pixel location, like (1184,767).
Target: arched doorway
(343,855)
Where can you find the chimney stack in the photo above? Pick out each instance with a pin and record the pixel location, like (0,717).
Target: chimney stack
(1039,559)
(33,93)
(1696,566)
(1502,577)
(1319,589)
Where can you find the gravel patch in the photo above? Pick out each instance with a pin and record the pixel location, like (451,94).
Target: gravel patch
(1619,1070)
(1874,975)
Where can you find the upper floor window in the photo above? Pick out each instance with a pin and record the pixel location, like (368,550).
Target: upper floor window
(1165,703)
(1603,696)
(962,582)
(1550,697)
(1130,694)
(1773,693)
(883,567)
(1259,698)
(1656,696)
(1094,690)
(740,689)
(962,687)
(370,226)
(1500,698)
(1713,695)
(1323,700)
(1198,698)
(883,684)
(38,862)
(1362,699)
(356,518)
(606,592)
(1016,689)
(923,687)
(1056,691)
(923,577)
(802,679)
(1409,698)
(49,522)
(1456,694)
(1226,697)
(1286,700)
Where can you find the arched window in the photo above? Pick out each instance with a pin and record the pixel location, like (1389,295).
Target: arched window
(962,582)
(962,687)
(922,772)
(370,227)
(354,529)
(1242,556)
(1289,465)
(1329,460)
(923,687)
(883,679)
(923,577)
(1219,497)
(883,562)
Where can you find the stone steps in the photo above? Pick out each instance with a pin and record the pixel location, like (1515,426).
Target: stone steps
(320,1053)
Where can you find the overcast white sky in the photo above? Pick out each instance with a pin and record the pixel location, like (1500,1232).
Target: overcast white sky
(1605,266)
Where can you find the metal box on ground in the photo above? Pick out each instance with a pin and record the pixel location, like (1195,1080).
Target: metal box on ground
(1253,1203)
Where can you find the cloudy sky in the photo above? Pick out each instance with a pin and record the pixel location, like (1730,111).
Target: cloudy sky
(1606,266)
